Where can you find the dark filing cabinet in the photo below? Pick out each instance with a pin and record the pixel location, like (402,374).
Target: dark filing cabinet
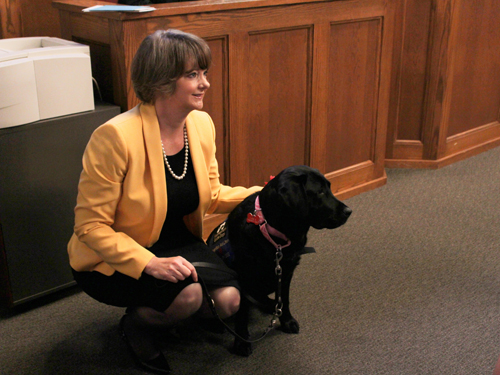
(40,165)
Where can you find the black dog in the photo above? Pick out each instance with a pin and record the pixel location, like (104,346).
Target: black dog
(296,199)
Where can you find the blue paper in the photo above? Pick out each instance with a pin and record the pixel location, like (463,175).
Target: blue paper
(119,8)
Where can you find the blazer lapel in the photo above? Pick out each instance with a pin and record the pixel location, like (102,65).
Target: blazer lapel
(200,171)
(152,137)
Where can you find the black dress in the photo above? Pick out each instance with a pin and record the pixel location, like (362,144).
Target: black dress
(175,239)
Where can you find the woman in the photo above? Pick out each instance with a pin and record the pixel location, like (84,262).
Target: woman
(149,177)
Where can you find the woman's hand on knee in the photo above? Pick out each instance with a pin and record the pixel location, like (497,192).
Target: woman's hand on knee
(171,269)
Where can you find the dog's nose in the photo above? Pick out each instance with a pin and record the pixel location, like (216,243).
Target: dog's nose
(347,211)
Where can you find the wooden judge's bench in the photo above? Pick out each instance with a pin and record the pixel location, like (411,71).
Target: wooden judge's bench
(292,81)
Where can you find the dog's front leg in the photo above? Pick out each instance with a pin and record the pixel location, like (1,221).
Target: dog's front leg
(288,323)
(242,318)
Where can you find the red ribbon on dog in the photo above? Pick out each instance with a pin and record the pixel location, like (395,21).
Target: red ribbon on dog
(253,219)
(270,178)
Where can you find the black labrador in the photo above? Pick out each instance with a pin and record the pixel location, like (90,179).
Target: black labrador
(289,204)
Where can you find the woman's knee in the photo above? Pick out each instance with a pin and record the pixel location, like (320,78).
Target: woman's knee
(227,301)
(189,300)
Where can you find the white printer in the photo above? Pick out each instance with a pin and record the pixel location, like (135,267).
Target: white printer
(43,77)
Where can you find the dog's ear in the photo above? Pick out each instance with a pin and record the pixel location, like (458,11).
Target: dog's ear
(283,198)
(294,194)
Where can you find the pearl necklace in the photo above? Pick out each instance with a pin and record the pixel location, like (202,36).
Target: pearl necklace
(186,154)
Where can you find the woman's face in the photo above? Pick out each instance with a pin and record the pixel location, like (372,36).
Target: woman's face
(190,90)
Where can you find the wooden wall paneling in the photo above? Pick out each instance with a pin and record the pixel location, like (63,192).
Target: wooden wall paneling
(353,83)
(216,104)
(216,101)
(383,86)
(230,22)
(11,19)
(352,121)
(66,26)
(443,104)
(475,96)
(409,79)
(373,38)
(270,103)
(437,76)
(395,86)
(417,114)
(414,74)
(353,77)
(462,100)
(95,29)
(320,89)
(355,179)
(25,18)
(240,153)
(123,53)
(39,18)
(279,100)
(465,144)
(278,95)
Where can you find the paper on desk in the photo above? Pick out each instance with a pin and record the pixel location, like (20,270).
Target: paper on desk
(119,8)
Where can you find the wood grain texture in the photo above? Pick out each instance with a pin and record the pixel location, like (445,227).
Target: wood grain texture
(24,18)
(445,91)
(11,18)
(475,96)
(293,82)
(354,53)
(216,102)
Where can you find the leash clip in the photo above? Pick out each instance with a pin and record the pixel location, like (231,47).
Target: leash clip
(279,255)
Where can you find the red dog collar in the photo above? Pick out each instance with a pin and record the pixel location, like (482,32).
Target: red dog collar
(258,218)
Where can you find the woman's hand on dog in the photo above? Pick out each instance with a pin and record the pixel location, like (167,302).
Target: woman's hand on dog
(171,269)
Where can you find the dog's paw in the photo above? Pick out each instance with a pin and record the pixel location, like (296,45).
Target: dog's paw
(242,348)
(290,325)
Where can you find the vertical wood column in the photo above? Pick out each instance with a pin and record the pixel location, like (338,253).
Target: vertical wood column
(445,95)
(437,101)
(319,112)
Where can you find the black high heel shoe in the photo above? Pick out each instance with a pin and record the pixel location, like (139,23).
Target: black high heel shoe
(143,346)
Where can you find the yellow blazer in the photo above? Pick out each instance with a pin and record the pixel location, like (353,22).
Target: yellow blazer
(122,196)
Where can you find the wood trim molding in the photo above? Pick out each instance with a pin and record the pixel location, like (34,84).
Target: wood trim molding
(446,160)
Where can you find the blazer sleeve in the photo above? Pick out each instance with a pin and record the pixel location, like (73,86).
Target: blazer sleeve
(99,192)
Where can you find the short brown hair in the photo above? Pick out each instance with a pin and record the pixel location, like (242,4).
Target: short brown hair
(162,58)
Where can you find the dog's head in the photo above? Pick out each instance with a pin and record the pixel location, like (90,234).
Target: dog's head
(301,194)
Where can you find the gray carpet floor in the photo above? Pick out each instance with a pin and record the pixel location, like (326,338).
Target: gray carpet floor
(409,286)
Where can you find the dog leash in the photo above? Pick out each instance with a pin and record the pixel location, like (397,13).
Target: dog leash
(267,230)
(278,310)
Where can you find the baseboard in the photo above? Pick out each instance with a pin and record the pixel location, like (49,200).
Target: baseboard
(352,191)
(445,161)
